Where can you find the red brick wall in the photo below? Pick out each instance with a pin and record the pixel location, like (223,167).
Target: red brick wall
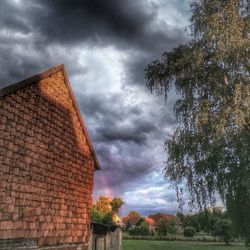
(46,167)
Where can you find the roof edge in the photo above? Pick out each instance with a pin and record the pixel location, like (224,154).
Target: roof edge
(26,82)
(84,128)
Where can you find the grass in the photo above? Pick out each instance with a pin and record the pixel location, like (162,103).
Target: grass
(177,245)
(200,237)
(204,238)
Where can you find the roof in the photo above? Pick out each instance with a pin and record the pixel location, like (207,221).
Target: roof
(125,219)
(150,221)
(132,220)
(158,216)
(24,83)
(117,219)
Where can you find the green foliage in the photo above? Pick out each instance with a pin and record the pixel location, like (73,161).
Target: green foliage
(165,226)
(103,210)
(189,232)
(142,230)
(134,217)
(140,227)
(162,227)
(107,218)
(116,204)
(140,221)
(204,220)
(181,216)
(96,215)
(171,226)
(192,221)
(128,225)
(223,229)
(238,207)
(101,217)
(210,149)
(103,204)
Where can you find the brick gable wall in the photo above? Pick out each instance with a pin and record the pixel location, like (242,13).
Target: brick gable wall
(46,166)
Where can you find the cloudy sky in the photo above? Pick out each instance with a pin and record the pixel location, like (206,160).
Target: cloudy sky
(105,46)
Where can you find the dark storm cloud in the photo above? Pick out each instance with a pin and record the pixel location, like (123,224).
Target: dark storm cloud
(42,23)
(112,131)
(123,134)
(112,123)
(16,66)
(137,132)
(123,169)
(108,107)
(125,137)
(12,17)
(125,23)
(93,19)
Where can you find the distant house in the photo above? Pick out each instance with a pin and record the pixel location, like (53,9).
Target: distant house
(47,163)
(158,216)
(152,225)
(117,220)
(170,219)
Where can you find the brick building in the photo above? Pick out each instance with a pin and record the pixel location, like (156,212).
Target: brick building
(46,166)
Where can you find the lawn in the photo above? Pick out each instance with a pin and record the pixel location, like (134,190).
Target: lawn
(177,245)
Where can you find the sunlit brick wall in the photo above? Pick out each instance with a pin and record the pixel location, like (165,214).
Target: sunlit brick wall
(46,167)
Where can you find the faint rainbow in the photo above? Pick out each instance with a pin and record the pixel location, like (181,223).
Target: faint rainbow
(106,187)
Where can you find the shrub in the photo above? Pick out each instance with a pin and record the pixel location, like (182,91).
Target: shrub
(107,218)
(162,228)
(140,221)
(134,231)
(140,230)
(223,229)
(189,232)
(101,217)
(104,209)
